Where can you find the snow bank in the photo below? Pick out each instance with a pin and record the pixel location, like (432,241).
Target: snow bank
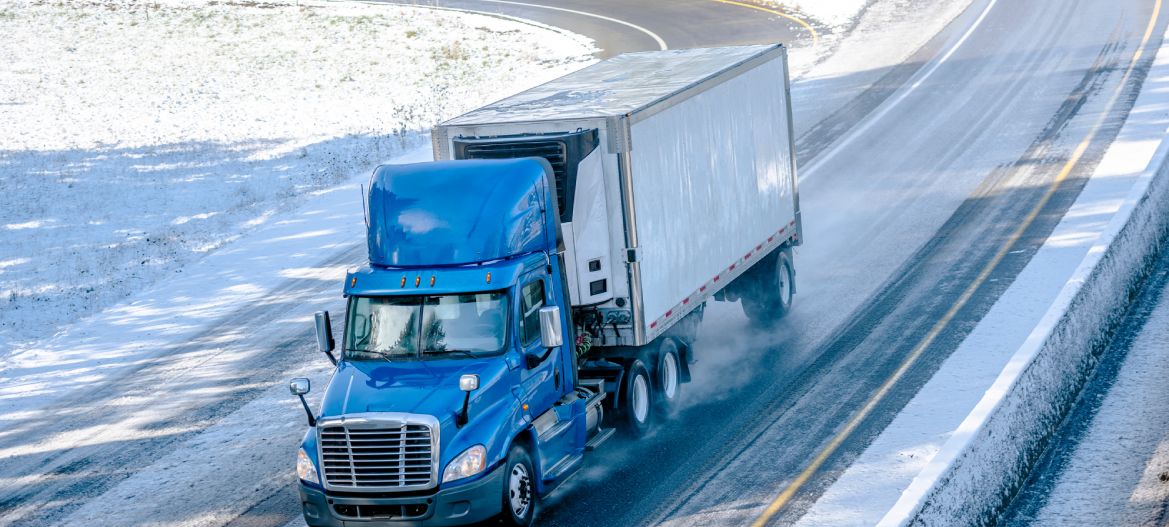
(976,471)
(138,137)
(1125,448)
(832,13)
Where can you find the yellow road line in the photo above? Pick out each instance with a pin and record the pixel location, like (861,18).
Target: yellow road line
(942,323)
(808,27)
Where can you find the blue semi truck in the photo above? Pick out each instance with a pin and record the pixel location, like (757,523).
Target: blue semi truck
(541,284)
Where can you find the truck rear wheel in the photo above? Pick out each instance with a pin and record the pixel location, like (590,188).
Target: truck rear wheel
(637,399)
(771,297)
(669,385)
(519,490)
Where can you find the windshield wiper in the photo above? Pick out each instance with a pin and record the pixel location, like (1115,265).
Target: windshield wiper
(384,355)
(464,353)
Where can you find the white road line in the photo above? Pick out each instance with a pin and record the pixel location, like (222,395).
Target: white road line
(887,107)
(661,43)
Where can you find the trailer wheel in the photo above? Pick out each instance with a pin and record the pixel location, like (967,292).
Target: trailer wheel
(771,298)
(519,490)
(637,399)
(669,373)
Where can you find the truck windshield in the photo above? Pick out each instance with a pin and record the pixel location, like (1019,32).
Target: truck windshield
(413,327)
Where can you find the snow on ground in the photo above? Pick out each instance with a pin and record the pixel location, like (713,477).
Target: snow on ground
(139,137)
(1118,472)
(832,13)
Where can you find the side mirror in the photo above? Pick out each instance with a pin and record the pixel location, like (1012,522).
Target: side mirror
(551,334)
(300,386)
(325,341)
(468,383)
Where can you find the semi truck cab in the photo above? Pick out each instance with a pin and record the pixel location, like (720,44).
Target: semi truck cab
(455,393)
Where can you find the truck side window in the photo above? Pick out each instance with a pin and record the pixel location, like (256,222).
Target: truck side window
(531,300)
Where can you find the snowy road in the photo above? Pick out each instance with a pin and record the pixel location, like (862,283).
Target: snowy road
(619,26)
(912,184)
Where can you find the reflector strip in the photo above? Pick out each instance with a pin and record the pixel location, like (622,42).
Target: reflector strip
(730,274)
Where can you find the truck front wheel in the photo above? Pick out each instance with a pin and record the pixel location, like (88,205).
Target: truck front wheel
(519,491)
(771,297)
(637,399)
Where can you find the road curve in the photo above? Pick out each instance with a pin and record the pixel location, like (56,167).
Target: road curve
(620,26)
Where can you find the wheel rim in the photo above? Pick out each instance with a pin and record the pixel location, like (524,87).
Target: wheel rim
(519,490)
(784,285)
(670,376)
(640,399)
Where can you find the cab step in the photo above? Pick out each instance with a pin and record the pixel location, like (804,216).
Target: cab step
(602,435)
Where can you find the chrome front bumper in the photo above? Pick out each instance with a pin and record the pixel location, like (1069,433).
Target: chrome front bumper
(461,505)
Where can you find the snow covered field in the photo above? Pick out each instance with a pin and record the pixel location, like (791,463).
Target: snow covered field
(139,137)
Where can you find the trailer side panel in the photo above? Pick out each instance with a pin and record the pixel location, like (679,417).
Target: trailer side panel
(714,188)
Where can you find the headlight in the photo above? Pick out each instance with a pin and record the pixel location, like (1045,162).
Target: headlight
(305,468)
(472,461)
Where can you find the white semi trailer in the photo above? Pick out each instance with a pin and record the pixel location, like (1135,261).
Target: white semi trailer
(675,174)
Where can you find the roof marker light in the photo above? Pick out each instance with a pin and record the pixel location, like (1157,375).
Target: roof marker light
(431,280)
(353,281)
(489,277)
(417,280)
(403,281)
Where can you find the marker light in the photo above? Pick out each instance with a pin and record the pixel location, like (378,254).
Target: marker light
(417,281)
(431,280)
(403,281)
(489,277)
(353,281)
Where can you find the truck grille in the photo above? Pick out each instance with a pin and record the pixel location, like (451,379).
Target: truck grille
(370,458)
(553,151)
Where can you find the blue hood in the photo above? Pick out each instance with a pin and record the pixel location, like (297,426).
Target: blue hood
(418,387)
(459,212)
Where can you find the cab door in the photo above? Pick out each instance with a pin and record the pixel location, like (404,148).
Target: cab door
(542,384)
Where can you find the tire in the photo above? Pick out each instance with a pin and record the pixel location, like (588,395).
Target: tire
(669,376)
(519,489)
(637,399)
(771,298)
